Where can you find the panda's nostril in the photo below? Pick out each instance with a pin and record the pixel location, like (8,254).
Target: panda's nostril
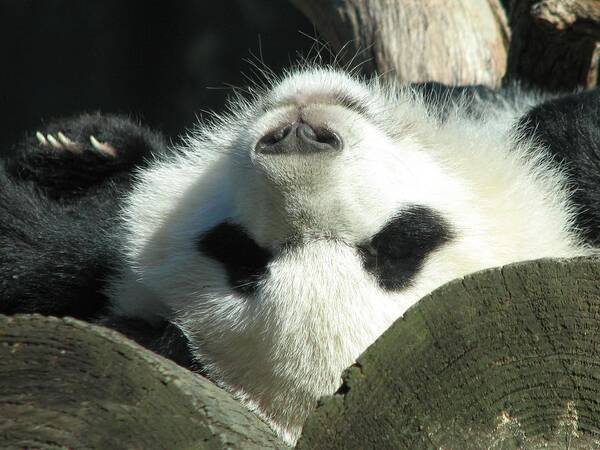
(328,137)
(306,132)
(275,136)
(299,137)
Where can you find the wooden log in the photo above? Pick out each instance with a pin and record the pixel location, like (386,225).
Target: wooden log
(68,384)
(556,44)
(582,16)
(504,358)
(452,42)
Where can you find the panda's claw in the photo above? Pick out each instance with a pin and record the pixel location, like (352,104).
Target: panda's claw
(103,147)
(41,139)
(54,142)
(68,143)
(63,142)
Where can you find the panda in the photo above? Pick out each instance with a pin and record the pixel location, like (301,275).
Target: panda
(272,245)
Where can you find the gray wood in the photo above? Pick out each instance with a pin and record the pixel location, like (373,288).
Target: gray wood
(455,42)
(504,358)
(68,384)
(555,44)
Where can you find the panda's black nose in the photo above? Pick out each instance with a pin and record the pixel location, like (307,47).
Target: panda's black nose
(299,137)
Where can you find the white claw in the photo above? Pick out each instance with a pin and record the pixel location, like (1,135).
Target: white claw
(54,142)
(103,147)
(41,138)
(68,143)
(65,140)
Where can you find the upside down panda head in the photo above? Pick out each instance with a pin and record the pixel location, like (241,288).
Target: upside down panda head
(286,236)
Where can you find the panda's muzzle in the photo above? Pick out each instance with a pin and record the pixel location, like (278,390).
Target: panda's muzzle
(299,137)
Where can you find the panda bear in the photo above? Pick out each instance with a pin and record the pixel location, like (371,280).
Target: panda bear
(275,243)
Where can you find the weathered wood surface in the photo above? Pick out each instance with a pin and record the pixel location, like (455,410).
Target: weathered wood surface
(505,358)
(453,42)
(581,15)
(550,44)
(555,44)
(68,384)
(502,359)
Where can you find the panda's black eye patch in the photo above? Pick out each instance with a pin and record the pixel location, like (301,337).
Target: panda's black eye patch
(397,252)
(244,260)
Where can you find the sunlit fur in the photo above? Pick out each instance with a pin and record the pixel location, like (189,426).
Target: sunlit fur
(317,309)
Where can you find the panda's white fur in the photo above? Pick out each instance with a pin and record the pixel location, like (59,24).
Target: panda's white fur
(317,309)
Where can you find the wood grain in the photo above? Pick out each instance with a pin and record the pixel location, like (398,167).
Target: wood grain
(416,40)
(68,384)
(505,358)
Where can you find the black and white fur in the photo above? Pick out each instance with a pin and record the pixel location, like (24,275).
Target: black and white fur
(277,266)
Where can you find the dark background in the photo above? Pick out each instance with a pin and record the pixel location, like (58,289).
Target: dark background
(162,62)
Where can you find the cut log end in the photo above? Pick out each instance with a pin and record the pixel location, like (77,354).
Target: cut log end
(68,384)
(505,358)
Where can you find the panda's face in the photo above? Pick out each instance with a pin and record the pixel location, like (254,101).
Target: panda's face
(316,165)
(315,222)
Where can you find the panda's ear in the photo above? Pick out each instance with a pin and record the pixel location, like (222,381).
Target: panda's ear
(243,259)
(397,252)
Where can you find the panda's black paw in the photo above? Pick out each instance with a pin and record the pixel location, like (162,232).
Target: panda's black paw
(70,156)
(63,142)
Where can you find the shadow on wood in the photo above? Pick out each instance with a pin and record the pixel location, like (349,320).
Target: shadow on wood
(505,358)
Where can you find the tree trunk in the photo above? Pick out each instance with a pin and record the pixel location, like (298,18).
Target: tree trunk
(503,359)
(556,43)
(416,40)
(68,384)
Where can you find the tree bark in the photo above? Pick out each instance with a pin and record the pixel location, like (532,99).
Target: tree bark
(504,358)
(556,43)
(583,16)
(68,384)
(415,40)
